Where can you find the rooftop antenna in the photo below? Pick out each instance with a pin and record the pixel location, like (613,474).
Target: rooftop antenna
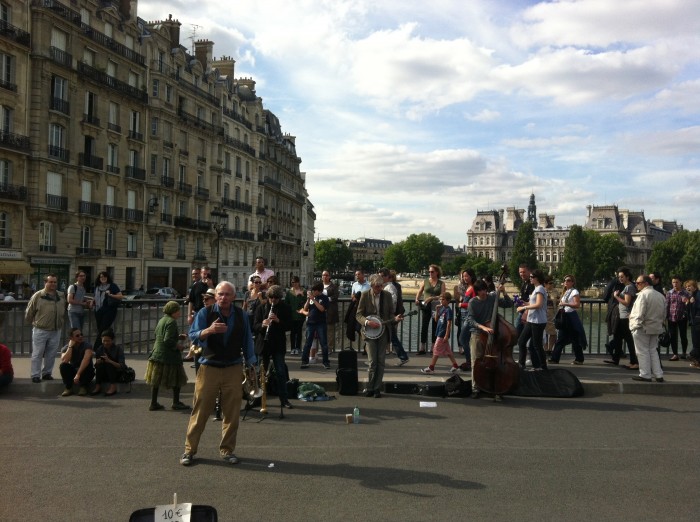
(194,34)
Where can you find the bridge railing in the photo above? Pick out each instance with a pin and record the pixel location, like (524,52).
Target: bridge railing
(136,321)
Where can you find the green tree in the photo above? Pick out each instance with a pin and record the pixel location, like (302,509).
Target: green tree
(481,266)
(523,251)
(395,258)
(680,255)
(577,259)
(331,254)
(608,254)
(422,250)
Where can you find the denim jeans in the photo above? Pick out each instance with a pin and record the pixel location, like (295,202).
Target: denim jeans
(316,328)
(396,343)
(76,319)
(45,344)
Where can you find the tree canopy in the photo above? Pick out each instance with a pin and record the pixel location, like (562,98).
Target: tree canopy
(523,250)
(679,255)
(421,250)
(332,254)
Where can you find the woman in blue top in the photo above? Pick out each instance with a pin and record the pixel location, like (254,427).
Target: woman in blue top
(536,322)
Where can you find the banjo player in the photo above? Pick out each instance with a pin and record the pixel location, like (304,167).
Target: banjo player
(374,310)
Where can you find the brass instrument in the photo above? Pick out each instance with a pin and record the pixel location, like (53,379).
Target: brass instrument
(251,388)
(263,379)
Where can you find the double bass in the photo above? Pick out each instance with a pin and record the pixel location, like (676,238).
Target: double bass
(496,372)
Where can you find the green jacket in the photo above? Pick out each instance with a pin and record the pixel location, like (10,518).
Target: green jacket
(165,349)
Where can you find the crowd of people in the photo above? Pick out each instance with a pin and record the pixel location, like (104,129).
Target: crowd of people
(224,338)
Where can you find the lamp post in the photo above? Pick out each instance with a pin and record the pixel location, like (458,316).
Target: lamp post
(220,224)
(268,230)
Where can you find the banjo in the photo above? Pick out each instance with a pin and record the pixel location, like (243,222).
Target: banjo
(376,333)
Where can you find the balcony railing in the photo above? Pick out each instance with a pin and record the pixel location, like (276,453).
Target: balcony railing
(198,122)
(200,256)
(100,77)
(61,57)
(88,252)
(47,248)
(158,254)
(14,33)
(8,86)
(239,234)
(167,181)
(63,11)
(185,188)
(201,159)
(111,44)
(202,192)
(56,202)
(112,212)
(238,118)
(196,224)
(88,207)
(114,127)
(132,214)
(238,144)
(131,253)
(181,254)
(14,192)
(135,135)
(237,205)
(91,119)
(110,253)
(166,218)
(14,141)
(112,169)
(88,160)
(5,242)
(135,173)
(184,152)
(60,105)
(59,153)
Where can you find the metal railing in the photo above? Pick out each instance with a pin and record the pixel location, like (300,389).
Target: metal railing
(137,319)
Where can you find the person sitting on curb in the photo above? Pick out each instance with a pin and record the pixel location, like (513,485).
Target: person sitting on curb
(108,364)
(76,364)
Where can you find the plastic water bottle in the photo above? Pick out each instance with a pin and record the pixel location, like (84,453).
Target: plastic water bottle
(356,415)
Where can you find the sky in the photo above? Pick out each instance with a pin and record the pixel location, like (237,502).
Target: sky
(410,116)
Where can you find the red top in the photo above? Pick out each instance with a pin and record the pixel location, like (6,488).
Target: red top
(467,297)
(6,360)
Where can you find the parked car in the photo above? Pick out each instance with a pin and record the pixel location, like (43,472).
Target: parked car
(166,292)
(131,295)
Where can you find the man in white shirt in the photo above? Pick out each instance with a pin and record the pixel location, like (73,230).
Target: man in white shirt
(646,324)
(360,285)
(260,271)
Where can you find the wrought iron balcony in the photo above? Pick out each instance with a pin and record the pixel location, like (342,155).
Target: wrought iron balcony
(158,254)
(238,144)
(112,169)
(63,11)
(14,192)
(93,74)
(114,127)
(201,159)
(132,214)
(202,192)
(185,188)
(87,252)
(196,224)
(200,256)
(167,181)
(239,234)
(14,141)
(88,160)
(56,202)
(59,153)
(110,253)
(166,218)
(14,33)
(47,248)
(135,135)
(88,207)
(112,45)
(112,212)
(7,85)
(135,173)
(237,205)
(61,57)
(5,242)
(91,119)
(181,254)
(131,253)
(60,105)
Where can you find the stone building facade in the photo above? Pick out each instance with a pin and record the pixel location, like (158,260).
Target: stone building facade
(121,150)
(492,233)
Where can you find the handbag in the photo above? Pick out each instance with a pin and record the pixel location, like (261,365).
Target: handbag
(559,319)
(665,338)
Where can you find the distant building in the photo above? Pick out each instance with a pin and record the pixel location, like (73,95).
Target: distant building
(492,234)
(368,249)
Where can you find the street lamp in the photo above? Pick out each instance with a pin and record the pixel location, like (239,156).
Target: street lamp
(220,224)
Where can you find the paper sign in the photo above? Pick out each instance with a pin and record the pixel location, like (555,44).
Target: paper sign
(174,512)
(426,404)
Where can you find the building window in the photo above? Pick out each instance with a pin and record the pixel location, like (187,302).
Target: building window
(131,244)
(109,242)
(7,72)
(168,94)
(166,168)
(6,114)
(154,164)
(4,229)
(46,241)
(85,237)
(154,126)
(5,172)
(156,88)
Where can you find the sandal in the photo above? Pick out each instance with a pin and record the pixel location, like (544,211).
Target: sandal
(674,358)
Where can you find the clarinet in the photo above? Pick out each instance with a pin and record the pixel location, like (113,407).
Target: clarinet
(267,332)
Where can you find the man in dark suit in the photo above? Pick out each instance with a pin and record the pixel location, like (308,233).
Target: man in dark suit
(376,302)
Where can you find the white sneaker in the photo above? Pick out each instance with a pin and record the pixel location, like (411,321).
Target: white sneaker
(312,360)
(427,370)
(454,369)
(528,363)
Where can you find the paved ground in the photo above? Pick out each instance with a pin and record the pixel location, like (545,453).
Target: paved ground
(608,457)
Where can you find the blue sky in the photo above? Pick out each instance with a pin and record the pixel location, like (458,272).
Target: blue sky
(411,115)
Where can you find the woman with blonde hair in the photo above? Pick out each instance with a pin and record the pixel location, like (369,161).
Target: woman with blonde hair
(433,287)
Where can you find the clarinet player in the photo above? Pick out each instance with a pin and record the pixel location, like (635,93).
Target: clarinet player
(271,324)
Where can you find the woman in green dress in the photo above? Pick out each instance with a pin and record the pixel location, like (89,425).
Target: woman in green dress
(165,366)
